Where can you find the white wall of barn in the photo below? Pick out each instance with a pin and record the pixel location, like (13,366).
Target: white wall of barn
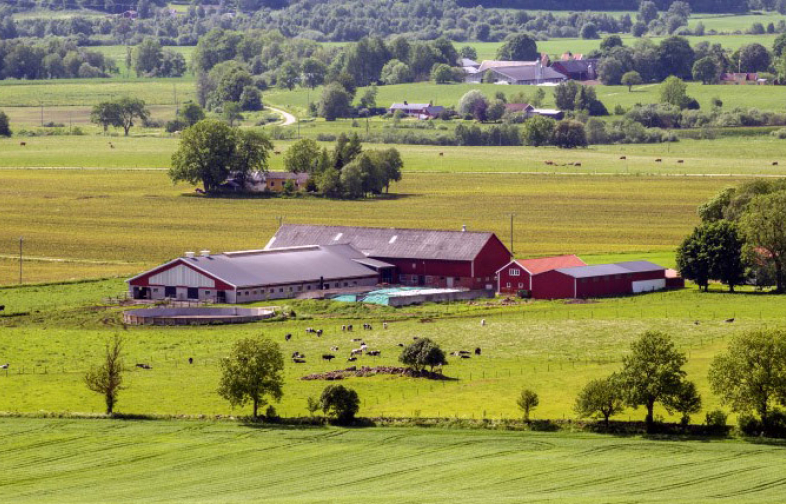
(182,276)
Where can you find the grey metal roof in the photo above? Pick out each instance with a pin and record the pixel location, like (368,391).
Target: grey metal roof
(284,266)
(622,268)
(387,242)
(529,73)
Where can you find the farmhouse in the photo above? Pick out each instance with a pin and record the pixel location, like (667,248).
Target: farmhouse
(741,79)
(254,275)
(258,181)
(421,257)
(419,110)
(516,276)
(529,111)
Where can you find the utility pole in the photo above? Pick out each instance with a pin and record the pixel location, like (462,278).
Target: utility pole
(21,248)
(511,215)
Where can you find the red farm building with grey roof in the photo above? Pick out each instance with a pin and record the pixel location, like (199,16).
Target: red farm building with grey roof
(566,277)
(422,257)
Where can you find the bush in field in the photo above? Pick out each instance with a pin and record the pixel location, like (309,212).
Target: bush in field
(600,398)
(340,402)
(5,126)
(422,353)
(569,134)
(538,131)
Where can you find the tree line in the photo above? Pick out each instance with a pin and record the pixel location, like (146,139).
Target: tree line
(53,59)
(741,238)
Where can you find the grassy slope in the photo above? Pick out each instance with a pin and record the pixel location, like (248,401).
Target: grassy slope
(77,461)
(553,347)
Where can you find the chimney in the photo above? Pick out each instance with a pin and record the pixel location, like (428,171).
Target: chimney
(464,228)
(204,253)
(190,255)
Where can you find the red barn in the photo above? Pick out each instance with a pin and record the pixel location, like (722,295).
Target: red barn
(602,280)
(516,276)
(421,257)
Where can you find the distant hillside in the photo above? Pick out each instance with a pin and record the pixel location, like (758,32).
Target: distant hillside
(724,6)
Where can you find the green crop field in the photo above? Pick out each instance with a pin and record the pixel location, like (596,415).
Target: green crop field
(62,461)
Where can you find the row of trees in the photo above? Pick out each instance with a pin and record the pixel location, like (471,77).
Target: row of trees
(348,171)
(740,239)
(53,59)
(351,20)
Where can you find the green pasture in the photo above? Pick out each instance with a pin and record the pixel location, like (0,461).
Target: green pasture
(552,347)
(118,53)
(114,221)
(67,461)
(722,157)
(88,92)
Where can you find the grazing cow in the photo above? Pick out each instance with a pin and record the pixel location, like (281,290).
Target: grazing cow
(5,366)
(343,328)
(680,161)
(464,356)
(415,338)
(729,321)
(298,355)
(549,163)
(334,349)
(299,361)
(2,307)
(384,325)
(463,352)
(199,191)
(455,354)
(356,351)
(349,328)
(328,357)
(482,322)
(288,337)
(355,340)
(577,164)
(277,153)
(477,351)
(659,160)
(22,144)
(696,323)
(352,359)
(319,333)
(111,146)
(190,360)
(401,345)
(775,163)
(144,366)
(623,158)
(374,353)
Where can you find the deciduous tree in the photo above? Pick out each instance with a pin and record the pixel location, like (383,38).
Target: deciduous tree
(527,401)
(251,373)
(600,398)
(107,378)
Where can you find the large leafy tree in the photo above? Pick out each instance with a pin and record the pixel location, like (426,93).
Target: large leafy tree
(422,353)
(674,91)
(5,126)
(519,47)
(251,373)
(652,373)
(676,56)
(538,131)
(569,134)
(210,149)
(107,378)
(764,225)
(751,58)
(303,156)
(714,251)
(336,102)
(751,374)
(706,70)
(147,57)
(120,113)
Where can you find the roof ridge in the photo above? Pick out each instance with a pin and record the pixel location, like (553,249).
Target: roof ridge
(392,228)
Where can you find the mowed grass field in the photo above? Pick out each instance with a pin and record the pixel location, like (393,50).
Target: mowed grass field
(98,461)
(753,156)
(116,220)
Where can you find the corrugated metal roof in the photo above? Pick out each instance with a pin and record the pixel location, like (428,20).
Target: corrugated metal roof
(622,268)
(529,73)
(283,266)
(542,264)
(387,242)
(502,64)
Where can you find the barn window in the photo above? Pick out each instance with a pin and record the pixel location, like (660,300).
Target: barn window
(155,290)
(346,284)
(414,265)
(207,293)
(521,285)
(308,287)
(515,272)
(299,288)
(280,289)
(507,285)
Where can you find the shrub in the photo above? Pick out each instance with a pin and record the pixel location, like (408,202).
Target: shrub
(569,134)
(340,402)
(780,134)
(716,419)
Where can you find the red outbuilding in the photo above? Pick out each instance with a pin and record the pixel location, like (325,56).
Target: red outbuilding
(603,280)
(516,276)
(422,257)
